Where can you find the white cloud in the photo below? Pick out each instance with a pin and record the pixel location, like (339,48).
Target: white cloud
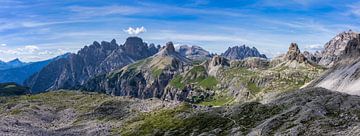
(29,53)
(135,31)
(2,45)
(31,48)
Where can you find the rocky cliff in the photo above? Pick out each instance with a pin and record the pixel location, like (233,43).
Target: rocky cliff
(241,52)
(90,61)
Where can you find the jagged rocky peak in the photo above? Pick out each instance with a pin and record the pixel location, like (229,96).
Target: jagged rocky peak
(242,52)
(93,60)
(336,47)
(96,47)
(294,53)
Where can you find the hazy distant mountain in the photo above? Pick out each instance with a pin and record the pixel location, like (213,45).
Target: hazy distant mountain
(21,73)
(193,52)
(11,64)
(241,52)
(97,58)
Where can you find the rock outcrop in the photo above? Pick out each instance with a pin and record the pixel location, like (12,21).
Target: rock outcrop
(241,52)
(97,58)
(294,54)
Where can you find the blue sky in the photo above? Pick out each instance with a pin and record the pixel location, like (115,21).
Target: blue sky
(40,29)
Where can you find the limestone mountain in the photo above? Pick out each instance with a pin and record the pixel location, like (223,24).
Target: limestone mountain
(336,47)
(344,76)
(146,78)
(193,52)
(90,61)
(241,52)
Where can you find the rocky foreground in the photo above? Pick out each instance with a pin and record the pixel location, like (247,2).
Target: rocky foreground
(310,111)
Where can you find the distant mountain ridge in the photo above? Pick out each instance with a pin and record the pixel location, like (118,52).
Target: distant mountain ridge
(92,60)
(242,52)
(11,64)
(21,73)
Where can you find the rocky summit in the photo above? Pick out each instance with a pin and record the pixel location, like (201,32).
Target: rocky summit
(241,52)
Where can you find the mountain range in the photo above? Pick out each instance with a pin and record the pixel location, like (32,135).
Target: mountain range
(186,90)
(90,61)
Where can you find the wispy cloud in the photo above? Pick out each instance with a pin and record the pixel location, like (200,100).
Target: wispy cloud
(28,53)
(85,11)
(354,9)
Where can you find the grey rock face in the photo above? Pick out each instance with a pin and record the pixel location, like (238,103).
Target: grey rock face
(242,52)
(336,47)
(90,61)
(193,52)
